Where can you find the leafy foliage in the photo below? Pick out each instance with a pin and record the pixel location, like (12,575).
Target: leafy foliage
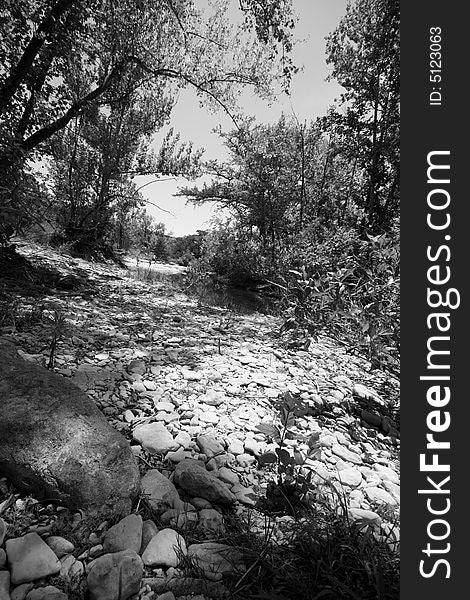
(289,465)
(110,73)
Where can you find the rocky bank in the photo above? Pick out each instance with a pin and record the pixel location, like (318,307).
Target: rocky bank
(188,385)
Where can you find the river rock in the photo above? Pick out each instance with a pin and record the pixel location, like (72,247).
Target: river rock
(4,585)
(49,592)
(115,576)
(125,535)
(213,398)
(30,558)
(155,438)
(387,474)
(159,491)
(21,591)
(210,520)
(376,494)
(59,545)
(183,439)
(351,477)
(216,560)
(208,445)
(165,549)
(192,476)
(228,476)
(346,454)
(149,530)
(71,569)
(55,442)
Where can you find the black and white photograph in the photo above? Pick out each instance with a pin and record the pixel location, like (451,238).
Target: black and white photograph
(200,300)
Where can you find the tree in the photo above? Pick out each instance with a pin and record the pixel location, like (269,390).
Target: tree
(157,46)
(364,52)
(270,181)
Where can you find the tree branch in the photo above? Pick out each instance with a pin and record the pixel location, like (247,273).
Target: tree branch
(20,71)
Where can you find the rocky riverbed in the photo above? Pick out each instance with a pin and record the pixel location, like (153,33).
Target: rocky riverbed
(187,384)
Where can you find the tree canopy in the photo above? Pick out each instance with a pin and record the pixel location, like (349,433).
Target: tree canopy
(61,58)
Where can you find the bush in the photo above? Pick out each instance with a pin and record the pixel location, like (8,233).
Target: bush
(348,285)
(234,257)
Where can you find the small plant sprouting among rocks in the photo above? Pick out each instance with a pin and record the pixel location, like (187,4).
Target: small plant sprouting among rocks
(59,326)
(293,483)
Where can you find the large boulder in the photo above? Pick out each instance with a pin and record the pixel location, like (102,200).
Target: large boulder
(55,442)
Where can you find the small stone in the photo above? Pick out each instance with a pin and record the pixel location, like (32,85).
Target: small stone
(366,516)
(365,393)
(346,454)
(211,466)
(228,476)
(4,585)
(129,416)
(115,576)
(3,558)
(59,545)
(21,591)
(209,445)
(372,419)
(183,439)
(236,447)
(136,367)
(387,474)
(167,407)
(71,569)
(160,492)
(245,460)
(155,438)
(149,385)
(393,489)
(125,535)
(351,477)
(200,503)
(216,560)
(191,375)
(376,494)
(252,446)
(210,417)
(94,539)
(245,495)
(149,530)
(178,456)
(46,593)
(210,520)
(95,551)
(213,398)
(165,549)
(178,518)
(30,558)
(192,476)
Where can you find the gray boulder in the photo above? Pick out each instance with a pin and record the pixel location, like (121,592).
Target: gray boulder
(55,442)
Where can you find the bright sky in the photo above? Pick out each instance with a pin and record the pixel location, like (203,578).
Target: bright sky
(311,96)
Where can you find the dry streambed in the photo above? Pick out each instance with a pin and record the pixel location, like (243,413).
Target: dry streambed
(188,385)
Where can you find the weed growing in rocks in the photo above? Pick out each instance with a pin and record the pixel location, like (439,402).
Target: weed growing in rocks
(293,484)
(322,555)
